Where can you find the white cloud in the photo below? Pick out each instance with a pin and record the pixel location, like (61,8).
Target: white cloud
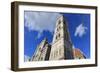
(80,30)
(26,58)
(40,21)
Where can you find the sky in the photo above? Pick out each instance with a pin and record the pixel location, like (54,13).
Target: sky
(40,25)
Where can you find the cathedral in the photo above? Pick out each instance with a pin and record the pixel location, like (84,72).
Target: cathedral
(61,47)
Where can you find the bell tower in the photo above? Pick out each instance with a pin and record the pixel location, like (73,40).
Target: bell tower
(61,46)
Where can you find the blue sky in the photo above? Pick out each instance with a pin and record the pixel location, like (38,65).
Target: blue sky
(38,25)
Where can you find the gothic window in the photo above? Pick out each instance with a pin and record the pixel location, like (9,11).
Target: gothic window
(59,21)
(59,27)
(59,35)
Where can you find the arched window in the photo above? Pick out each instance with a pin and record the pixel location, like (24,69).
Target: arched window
(59,35)
(59,21)
(57,29)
